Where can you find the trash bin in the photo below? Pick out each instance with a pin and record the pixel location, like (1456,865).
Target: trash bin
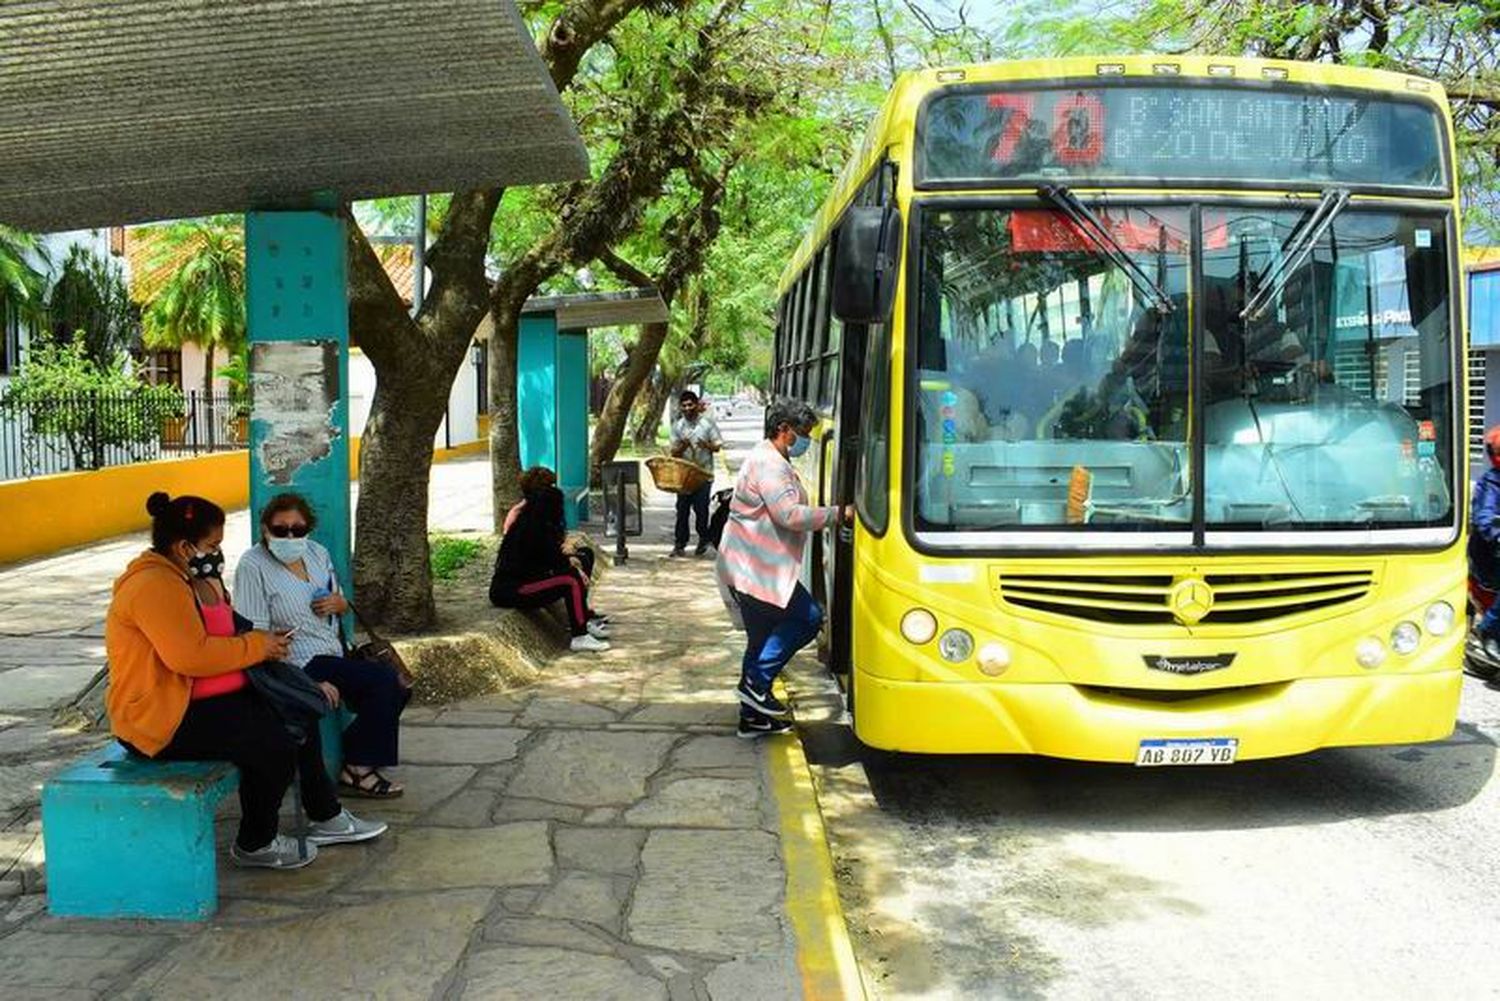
(622,495)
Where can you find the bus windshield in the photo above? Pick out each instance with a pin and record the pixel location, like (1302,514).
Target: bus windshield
(1051,394)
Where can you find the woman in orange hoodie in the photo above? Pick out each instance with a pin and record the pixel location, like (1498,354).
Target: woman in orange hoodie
(162,704)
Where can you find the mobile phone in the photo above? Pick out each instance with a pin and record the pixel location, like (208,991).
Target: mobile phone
(290,633)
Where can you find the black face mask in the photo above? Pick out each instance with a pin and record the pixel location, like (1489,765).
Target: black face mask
(207,565)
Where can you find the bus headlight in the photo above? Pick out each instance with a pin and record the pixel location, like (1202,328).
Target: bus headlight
(994,658)
(918,626)
(1439,618)
(1369,653)
(1405,637)
(956,645)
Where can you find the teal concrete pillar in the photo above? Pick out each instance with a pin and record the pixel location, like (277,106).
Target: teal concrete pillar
(552,395)
(573,422)
(536,389)
(298,317)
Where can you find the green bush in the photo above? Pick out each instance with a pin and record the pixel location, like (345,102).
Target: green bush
(450,554)
(73,403)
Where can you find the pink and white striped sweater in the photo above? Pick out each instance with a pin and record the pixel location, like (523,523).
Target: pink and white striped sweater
(769,519)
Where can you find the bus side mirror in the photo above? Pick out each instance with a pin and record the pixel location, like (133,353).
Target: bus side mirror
(867,264)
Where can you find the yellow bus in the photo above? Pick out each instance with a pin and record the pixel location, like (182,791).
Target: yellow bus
(1144,376)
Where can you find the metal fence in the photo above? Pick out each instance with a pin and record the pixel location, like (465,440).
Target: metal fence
(41,434)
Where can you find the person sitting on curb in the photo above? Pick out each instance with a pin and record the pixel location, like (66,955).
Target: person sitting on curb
(287,583)
(533,570)
(177,690)
(760,559)
(581,556)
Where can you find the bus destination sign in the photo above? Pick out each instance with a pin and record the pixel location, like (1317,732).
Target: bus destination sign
(1158,134)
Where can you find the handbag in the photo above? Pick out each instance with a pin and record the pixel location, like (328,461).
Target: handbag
(295,697)
(380,650)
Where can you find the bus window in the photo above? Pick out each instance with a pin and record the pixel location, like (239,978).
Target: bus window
(1334,406)
(1038,356)
(872,481)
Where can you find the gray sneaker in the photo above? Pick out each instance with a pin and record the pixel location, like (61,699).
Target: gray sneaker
(281,853)
(344,829)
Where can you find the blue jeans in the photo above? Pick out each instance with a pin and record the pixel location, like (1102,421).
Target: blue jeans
(1489,625)
(774,634)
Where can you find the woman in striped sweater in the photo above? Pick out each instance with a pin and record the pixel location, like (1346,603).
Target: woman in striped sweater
(760,559)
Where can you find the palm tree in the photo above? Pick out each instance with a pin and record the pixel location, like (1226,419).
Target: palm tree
(22,286)
(202,301)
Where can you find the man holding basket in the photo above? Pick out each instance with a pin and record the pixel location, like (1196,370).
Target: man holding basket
(695,437)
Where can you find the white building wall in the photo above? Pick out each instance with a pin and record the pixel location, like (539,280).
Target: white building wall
(462,424)
(361,391)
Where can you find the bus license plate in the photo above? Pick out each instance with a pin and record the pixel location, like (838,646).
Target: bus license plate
(1203,751)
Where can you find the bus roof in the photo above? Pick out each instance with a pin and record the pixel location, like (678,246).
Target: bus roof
(895,122)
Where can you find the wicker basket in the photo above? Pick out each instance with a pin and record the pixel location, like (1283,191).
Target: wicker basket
(677,476)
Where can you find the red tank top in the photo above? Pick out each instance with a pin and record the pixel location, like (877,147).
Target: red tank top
(219,621)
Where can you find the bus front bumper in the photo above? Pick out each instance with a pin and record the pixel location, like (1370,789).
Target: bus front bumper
(1095,724)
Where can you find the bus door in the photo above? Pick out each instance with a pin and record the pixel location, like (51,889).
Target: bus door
(836,485)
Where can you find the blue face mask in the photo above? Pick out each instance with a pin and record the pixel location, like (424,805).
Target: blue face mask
(799,447)
(287,550)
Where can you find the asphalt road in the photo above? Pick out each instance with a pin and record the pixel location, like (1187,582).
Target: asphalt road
(1367,873)
(1347,873)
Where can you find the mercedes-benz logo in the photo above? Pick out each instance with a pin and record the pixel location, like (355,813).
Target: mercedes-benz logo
(1190,599)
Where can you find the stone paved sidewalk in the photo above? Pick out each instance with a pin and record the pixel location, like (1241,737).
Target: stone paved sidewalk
(599,835)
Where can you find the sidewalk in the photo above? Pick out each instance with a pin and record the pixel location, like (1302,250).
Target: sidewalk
(600,834)
(52,610)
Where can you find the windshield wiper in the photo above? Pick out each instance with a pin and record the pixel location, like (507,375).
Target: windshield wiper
(1303,240)
(1092,227)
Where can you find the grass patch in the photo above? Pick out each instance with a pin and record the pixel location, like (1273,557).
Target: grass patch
(450,554)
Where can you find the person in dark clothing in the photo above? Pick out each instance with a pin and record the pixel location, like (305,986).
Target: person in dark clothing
(534,570)
(1484,539)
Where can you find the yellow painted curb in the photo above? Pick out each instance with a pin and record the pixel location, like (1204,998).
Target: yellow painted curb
(825,956)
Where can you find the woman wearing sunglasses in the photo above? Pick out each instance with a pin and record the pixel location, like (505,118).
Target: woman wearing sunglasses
(287,584)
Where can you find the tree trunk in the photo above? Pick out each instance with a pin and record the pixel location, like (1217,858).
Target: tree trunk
(505,428)
(392,565)
(207,416)
(657,396)
(610,430)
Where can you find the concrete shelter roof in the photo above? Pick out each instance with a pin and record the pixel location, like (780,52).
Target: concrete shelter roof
(134,110)
(602,309)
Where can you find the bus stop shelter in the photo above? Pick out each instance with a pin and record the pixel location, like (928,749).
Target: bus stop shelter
(129,111)
(552,388)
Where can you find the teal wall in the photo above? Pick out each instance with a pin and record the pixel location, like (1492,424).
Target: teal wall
(536,390)
(552,386)
(573,420)
(297,309)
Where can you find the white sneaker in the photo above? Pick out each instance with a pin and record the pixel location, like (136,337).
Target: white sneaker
(344,829)
(597,629)
(281,853)
(588,644)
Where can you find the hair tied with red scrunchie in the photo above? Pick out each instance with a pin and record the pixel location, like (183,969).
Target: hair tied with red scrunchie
(187,513)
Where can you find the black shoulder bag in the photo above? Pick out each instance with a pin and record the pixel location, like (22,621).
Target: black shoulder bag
(295,697)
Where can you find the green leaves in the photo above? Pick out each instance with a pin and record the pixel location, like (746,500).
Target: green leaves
(22,285)
(87,407)
(203,300)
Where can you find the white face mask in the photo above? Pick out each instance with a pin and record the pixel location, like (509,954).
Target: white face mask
(287,550)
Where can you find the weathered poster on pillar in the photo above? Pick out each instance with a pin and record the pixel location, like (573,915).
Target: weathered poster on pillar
(294,388)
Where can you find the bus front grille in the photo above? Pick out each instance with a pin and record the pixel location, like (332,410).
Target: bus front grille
(1150,599)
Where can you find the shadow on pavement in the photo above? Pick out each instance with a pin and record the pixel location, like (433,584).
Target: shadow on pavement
(1036,792)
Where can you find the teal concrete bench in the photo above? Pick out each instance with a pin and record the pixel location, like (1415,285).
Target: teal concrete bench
(127,837)
(331,730)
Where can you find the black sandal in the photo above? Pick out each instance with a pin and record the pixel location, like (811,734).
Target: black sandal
(362,786)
